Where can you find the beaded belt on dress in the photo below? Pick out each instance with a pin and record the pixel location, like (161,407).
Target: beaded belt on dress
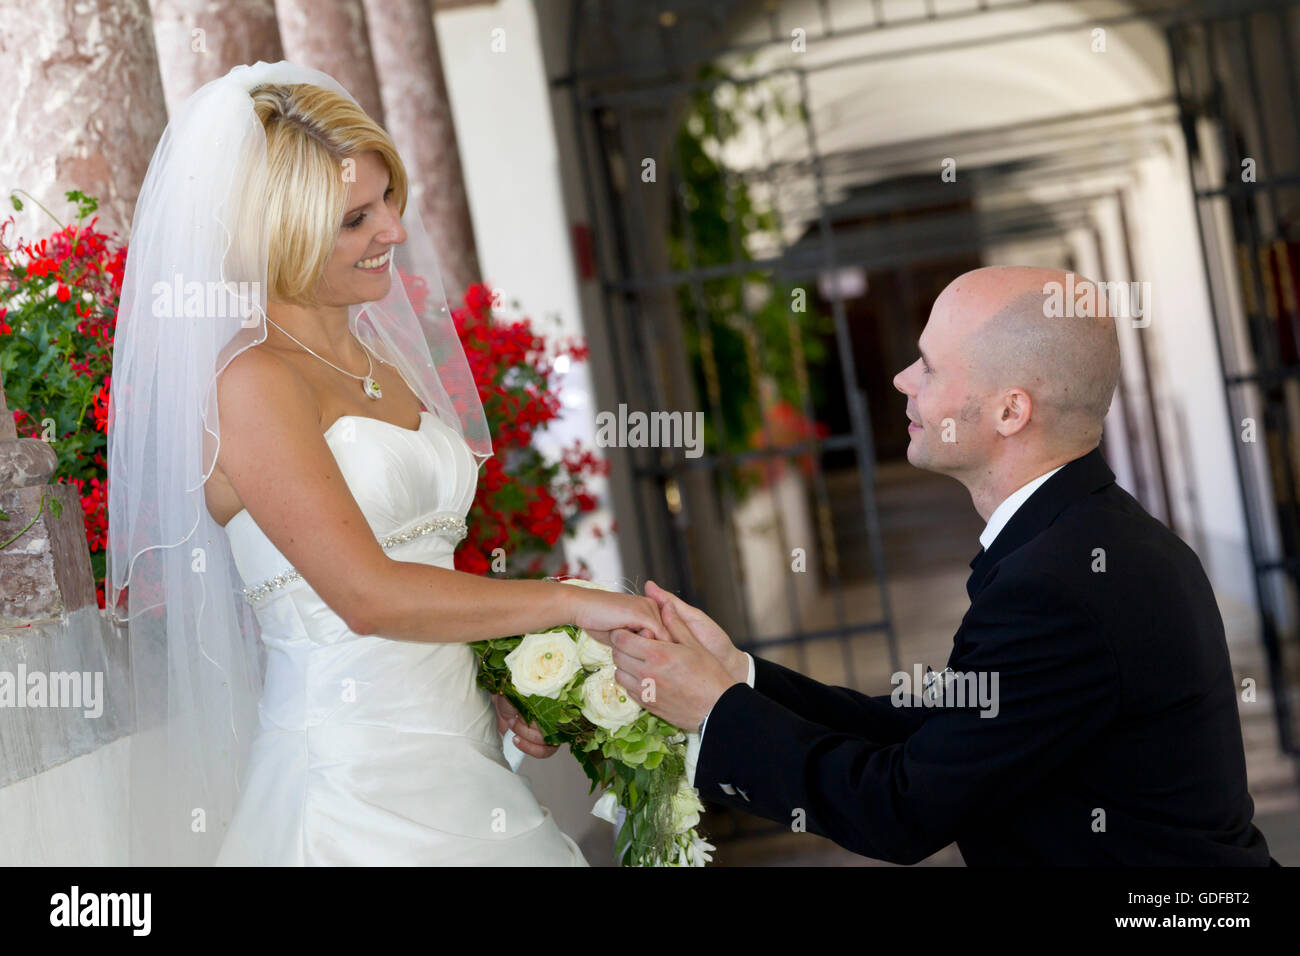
(450,526)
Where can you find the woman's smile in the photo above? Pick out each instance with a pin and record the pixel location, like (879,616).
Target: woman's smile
(376,263)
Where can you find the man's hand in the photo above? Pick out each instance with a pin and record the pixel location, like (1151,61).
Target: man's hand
(705,630)
(684,679)
(528,737)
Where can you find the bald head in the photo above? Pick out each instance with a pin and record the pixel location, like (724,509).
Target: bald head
(1046,332)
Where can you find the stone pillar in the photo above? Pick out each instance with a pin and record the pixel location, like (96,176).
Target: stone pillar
(46,571)
(414,92)
(330,36)
(84,106)
(202,40)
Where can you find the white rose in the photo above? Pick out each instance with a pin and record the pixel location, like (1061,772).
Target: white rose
(605,702)
(543,664)
(593,654)
(686,807)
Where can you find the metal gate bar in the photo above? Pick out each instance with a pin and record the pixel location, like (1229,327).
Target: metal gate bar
(1269,374)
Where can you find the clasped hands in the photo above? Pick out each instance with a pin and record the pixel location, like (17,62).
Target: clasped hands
(677,663)
(679,672)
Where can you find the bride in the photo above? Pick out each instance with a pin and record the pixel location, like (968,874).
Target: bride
(288,479)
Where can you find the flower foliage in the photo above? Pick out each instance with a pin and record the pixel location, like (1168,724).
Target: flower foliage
(524,503)
(783,426)
(58,307)
(753,339)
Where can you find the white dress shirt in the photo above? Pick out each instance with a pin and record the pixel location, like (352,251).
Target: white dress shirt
(693,741)
(1010,505)
(997,521)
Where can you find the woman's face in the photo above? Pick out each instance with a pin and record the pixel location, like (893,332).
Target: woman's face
(359,267)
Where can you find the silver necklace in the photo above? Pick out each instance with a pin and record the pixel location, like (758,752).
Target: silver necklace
(368,384)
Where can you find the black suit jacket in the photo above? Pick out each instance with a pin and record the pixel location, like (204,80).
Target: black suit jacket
(1116,740)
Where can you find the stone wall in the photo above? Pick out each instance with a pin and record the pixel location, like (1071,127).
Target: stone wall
(64,687)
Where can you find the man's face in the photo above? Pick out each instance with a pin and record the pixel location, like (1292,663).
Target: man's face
(359,267)
(943,408)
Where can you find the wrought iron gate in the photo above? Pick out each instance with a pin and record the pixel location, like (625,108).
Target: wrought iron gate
(1239,97)
(662,290)
(660,282)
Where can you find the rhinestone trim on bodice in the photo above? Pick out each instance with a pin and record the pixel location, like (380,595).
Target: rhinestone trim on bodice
(450,526)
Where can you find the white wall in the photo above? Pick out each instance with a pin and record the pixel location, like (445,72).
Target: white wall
(507,144)
(64,771)
(88,795)
(1190,382)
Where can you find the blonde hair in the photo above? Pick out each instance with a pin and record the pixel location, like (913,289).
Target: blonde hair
(309,133)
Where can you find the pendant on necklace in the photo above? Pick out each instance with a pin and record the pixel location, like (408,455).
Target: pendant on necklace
(371,388)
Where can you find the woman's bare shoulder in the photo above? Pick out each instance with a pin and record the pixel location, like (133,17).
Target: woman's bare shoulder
(257,379)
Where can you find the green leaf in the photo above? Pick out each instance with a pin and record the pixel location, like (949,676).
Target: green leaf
(623,842)
(548,714)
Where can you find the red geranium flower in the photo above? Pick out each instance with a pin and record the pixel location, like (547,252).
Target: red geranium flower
(524,504)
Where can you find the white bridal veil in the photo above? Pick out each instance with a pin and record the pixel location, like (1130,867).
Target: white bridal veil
(193,297)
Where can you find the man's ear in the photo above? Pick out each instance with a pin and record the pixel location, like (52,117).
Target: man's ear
(1014,412)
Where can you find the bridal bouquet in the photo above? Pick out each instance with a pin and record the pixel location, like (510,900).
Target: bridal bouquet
(562,680)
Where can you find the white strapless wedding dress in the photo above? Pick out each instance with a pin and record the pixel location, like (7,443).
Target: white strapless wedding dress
(373,751)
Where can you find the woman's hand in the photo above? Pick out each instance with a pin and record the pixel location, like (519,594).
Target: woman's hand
(598,612)
(528,737)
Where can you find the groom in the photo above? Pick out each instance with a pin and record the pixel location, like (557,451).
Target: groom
(1112,736)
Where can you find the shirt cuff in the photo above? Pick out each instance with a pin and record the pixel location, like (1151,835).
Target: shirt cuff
(695,741)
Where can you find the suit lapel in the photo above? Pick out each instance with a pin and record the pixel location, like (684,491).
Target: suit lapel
(1077,479)
(970,581)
